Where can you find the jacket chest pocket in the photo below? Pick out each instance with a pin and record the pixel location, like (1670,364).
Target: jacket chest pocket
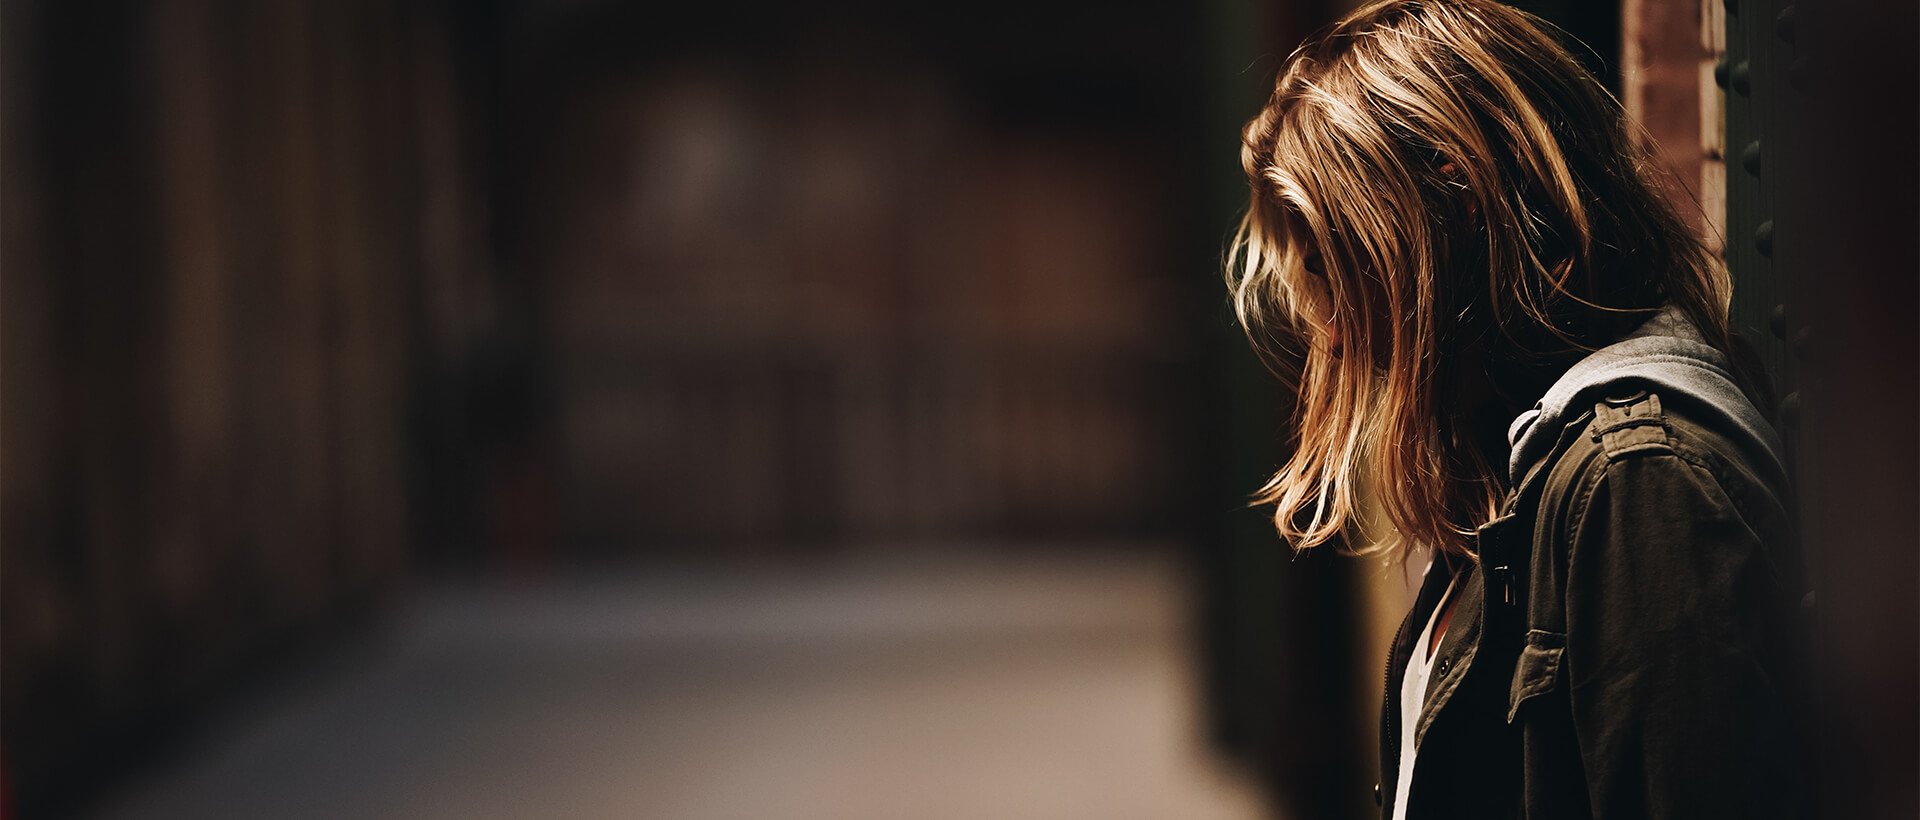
(1537,671)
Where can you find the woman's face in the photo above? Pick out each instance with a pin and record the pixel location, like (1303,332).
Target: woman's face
(1320,292)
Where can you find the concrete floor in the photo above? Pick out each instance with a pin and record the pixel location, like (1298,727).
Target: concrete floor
(1007,688)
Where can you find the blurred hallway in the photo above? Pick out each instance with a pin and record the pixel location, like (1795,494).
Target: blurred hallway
(400,296)
(1005,687)
(330,316)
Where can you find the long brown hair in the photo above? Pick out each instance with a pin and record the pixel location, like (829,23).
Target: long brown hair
(1442,197)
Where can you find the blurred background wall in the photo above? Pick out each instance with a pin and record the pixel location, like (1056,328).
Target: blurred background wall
(313,311)
(217,229)
(311,303)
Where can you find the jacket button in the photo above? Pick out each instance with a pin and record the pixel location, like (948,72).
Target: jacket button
(1445,664)
(1376,794)
(1623,401)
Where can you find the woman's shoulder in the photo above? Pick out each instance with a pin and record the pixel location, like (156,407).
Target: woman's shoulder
(1646,434)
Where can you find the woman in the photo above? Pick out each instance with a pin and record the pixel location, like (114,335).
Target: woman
(1510,354)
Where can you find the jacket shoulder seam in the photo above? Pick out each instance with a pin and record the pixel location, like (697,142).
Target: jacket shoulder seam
(1597,475)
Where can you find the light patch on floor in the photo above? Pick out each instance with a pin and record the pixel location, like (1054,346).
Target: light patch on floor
(1057,687)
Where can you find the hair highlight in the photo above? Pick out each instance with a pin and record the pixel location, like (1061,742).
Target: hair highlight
(1478,208)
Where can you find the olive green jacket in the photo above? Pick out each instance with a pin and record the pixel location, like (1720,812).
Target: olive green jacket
(1628,642)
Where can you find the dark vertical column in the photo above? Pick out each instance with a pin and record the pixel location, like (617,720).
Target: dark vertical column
(201,363)
(91,148)
(1754,82)
(1282,630)
(1847,219)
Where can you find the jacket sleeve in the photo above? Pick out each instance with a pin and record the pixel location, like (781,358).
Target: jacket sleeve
(1672,640)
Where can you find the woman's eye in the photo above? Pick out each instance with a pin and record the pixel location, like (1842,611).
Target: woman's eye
(1315,265)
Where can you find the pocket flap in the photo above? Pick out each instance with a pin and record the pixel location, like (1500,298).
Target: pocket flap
(1538,668)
